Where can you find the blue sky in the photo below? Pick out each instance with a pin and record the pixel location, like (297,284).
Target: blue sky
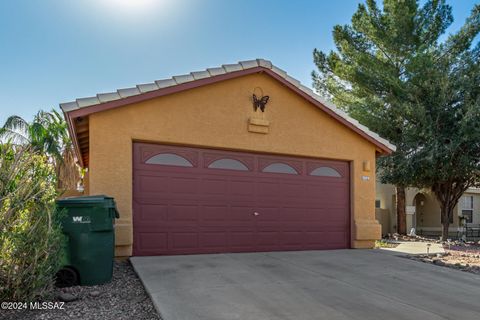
(53,51)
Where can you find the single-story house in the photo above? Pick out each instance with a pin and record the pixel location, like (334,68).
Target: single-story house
(423,212)
(237,158)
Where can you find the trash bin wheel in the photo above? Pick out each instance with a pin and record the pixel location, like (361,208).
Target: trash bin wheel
(66,277)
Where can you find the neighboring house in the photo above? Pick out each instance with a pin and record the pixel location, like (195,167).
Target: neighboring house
(423,211)
(195,168)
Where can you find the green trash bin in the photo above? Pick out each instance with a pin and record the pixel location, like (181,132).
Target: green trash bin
(90,247)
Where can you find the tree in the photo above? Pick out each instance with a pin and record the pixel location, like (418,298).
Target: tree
(377,74)
(47,134)
(448,158)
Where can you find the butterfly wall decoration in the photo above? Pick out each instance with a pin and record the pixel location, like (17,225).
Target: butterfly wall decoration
(259,103)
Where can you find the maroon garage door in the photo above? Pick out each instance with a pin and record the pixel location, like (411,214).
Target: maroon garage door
(191,200)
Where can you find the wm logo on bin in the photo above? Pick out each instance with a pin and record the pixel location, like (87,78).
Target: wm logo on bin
(81,219)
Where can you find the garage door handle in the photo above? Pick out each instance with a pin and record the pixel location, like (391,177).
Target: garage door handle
(256,214)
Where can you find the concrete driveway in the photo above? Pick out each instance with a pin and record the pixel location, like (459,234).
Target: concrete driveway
(339,284)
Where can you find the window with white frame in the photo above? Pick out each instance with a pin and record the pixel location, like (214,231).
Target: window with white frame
(467,208)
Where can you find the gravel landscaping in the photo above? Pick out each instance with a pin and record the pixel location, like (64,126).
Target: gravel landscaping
(123,298)
(468,261)
(458,255)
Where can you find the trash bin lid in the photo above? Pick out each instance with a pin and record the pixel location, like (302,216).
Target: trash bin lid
(85,199)
(99,200)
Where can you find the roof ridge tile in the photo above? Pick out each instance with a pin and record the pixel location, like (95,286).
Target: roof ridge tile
(232,67)
(197,75)
(164,83)
(88,101)
(146,87)
(248,64)
(212,72)
(183,78)
(264,63)
(216,71)
(282,73)
(128,92)
(109,96)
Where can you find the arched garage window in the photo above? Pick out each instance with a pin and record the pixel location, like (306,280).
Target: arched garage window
(325,172)
(169,159)
(230,164)
(279,167)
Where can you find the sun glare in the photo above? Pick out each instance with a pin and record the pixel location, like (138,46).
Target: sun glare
(132,5)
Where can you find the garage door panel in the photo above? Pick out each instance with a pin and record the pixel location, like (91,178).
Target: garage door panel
(214,186)
(334,195)
(337,237)
(293,214)
(268,238)
(292,190)
(155,184)
(316,237)
(267,189)
(182,210)
(183,240)
(152,213)
(320,203)
(239,188)
(292,238)
(214,213)
(182,213)
(184,185)
(211,239)
(322,190)
(326,215)
(316,214)
(268,214)
(241,213)
(153,241)
(335,215)
(241,239)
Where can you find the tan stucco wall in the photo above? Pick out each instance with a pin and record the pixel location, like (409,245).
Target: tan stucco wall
(217,116)
(386,194)
(383,217)
(71,193)
(431,212)
(431,223)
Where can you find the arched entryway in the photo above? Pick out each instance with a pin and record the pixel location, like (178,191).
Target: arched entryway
(419,201)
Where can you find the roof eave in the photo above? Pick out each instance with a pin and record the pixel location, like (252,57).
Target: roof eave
(73,136)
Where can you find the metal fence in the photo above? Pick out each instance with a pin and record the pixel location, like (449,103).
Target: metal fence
(472,232)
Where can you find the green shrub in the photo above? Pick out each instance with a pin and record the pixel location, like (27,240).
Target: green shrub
(30,233)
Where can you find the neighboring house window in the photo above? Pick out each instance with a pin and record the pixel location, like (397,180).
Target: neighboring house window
(467,208)
(378,204)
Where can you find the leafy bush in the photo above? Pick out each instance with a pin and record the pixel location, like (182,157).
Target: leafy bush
(384,244)
(30,233)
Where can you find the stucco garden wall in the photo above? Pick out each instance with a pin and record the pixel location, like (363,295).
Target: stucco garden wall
(217,116)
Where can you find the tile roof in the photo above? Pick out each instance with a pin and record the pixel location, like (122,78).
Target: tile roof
(212,72)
